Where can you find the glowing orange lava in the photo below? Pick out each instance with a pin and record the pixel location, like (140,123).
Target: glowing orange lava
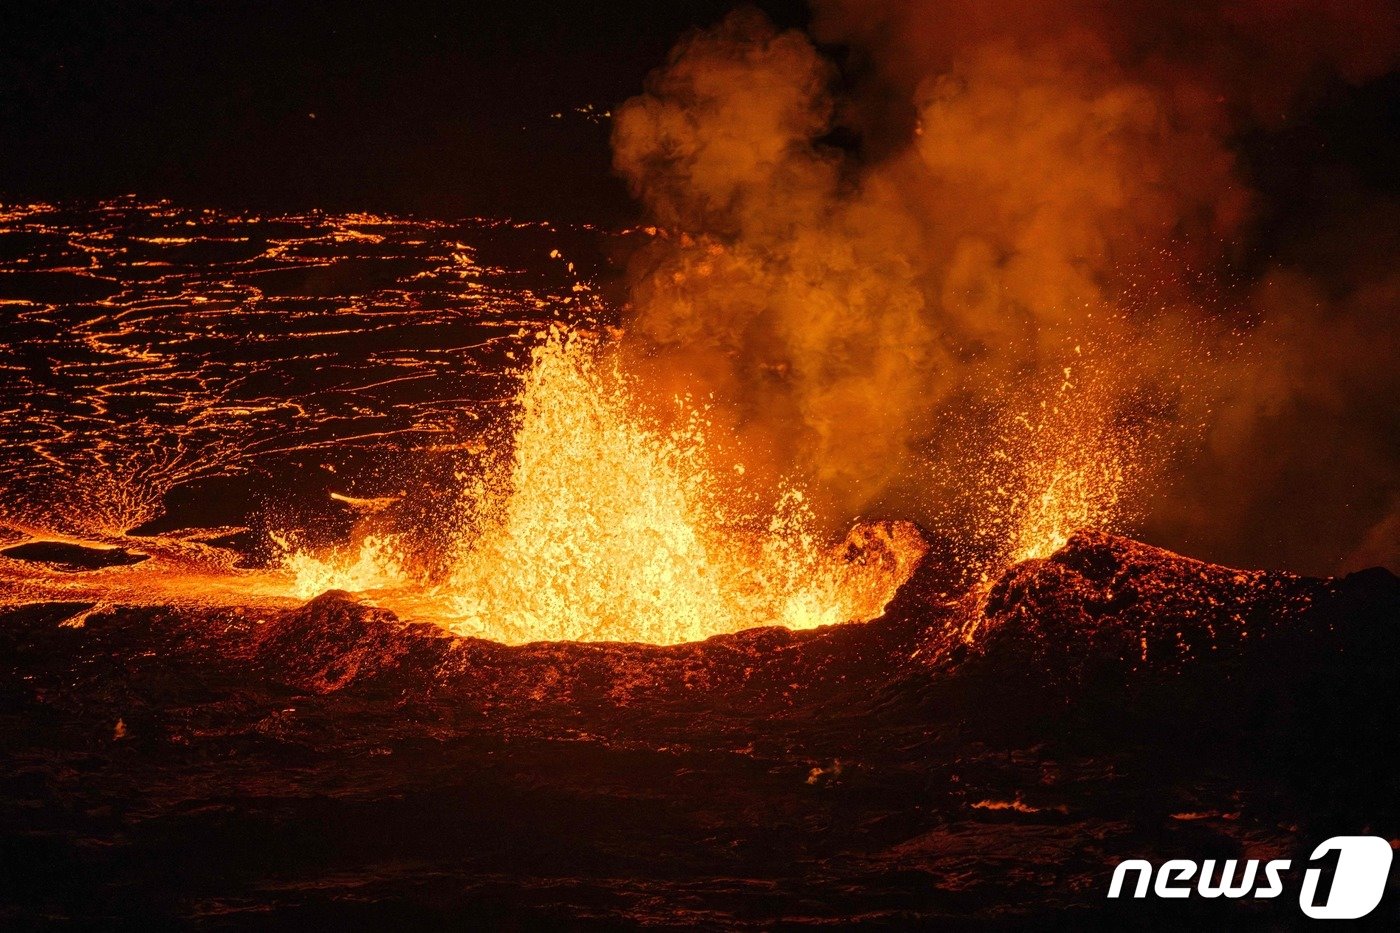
(593,517)
(1060,464)
(602,525)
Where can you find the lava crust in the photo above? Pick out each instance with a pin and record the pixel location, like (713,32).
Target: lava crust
(982,761)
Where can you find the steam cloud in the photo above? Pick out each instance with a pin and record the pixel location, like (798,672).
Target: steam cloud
(987,211)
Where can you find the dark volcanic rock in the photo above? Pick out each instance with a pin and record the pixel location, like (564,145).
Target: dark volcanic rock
(984,761)
(1113,602)
(334,641)
(337,643)
(73,557)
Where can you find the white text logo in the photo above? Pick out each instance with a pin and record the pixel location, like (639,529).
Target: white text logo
(1344,880)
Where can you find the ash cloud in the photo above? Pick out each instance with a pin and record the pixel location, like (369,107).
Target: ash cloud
(951,217)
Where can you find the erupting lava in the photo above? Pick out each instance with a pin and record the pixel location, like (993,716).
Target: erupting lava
(1071,466)
(595,516)
(602,525)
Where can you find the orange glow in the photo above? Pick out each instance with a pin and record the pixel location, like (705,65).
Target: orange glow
(1059,465)
(174,571)
(602,525)
(598,513)
(1072,495)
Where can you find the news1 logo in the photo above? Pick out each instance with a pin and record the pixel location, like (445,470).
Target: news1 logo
(1345,880)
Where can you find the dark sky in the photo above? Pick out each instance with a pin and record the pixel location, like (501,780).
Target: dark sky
(441,107)
(435,107)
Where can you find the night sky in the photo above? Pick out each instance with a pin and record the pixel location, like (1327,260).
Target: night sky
(441,107)
(438,107)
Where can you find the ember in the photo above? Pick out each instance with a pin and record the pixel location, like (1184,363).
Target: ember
(600,525)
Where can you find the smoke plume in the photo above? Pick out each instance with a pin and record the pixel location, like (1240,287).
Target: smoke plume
(961,248)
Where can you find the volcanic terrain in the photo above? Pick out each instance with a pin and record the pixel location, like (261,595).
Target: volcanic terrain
(211,419)
(982,760)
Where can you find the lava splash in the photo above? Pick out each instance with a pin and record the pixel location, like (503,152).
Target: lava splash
(247,411)
(601,525)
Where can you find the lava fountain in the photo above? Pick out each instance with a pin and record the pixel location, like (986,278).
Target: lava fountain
(596,521)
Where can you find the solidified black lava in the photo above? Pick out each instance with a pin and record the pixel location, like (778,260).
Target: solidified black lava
(73,557)
(984,762)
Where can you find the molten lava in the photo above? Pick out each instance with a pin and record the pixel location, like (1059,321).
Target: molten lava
(134,472)
(602,525)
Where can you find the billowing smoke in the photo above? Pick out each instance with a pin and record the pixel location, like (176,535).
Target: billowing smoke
(905,260)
